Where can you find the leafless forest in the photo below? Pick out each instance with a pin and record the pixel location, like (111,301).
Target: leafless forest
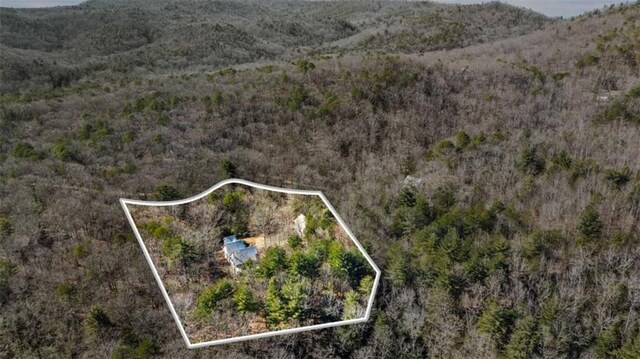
(486,156)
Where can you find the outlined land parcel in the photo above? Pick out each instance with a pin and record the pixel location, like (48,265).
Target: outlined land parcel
(242,260)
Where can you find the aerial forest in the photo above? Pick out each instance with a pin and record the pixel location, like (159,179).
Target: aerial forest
(485,156)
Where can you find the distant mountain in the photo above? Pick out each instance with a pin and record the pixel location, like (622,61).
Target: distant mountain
(58,45)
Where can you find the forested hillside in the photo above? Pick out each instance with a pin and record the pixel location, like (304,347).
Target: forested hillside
(55,47)
(496,184)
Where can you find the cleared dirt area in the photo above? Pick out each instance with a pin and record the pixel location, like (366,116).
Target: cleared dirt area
(257,241)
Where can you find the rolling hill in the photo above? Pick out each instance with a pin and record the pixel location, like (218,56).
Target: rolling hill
(485,156)
(122,36)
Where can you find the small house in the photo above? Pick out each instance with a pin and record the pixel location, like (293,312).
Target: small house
(230,248)
(237,252)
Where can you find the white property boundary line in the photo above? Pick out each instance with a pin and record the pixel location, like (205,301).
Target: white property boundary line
(124,202)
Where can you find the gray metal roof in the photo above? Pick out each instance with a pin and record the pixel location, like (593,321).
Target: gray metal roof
(234,246)
(237,258)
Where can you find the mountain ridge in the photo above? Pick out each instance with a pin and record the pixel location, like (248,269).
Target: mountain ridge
(167,35)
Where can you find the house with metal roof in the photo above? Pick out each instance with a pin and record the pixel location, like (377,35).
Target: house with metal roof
(232,247)
(237,252)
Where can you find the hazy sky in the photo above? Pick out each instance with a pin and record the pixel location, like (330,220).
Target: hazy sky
(549,7)
(564,8)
